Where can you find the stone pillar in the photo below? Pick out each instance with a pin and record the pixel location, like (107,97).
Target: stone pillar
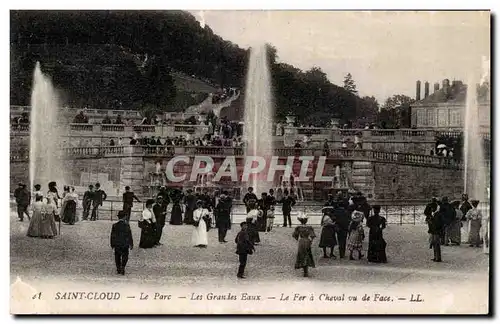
(132,170)
(367,139)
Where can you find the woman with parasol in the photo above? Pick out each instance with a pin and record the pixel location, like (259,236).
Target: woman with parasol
(328,231)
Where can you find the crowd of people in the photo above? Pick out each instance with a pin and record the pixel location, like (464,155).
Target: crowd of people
(445,221)
(341,223)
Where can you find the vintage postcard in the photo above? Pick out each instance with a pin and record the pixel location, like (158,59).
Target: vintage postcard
(250,162)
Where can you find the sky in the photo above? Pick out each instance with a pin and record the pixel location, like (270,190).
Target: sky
(386,52)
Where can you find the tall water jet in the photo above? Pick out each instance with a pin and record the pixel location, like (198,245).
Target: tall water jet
(475,171)
(259,112)
(45,133)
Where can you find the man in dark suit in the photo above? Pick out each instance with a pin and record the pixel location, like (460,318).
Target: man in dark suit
(98,197)
(160,212)
(23,199)
(88,198)
(128,202)
(223,216)
(121,241)
(244,247)
(435,224)
(342,219)
(288,202)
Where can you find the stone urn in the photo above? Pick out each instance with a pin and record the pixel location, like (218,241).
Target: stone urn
(290,120)
(335,123)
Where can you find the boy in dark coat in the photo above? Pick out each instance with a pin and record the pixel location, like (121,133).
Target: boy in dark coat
(244,247)
(121,241)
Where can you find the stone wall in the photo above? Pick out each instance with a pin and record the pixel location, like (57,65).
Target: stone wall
(79,173)
(406,182)
(391,181)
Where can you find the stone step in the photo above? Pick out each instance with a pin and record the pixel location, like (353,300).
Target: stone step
(367,172)
(361,163)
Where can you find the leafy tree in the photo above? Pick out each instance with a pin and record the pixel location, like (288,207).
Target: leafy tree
(349,84)
(395,112)
(99,60)
(396,101)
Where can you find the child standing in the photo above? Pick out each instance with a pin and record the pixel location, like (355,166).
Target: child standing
(121,241)
(356,235)
(244,247)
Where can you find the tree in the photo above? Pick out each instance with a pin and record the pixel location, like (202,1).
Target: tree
(397,101)
(349,84)
(272,54)
(395,112)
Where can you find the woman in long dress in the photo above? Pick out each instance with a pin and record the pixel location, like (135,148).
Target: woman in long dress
(190,206)
(43,224)
(199,238)
(376,242)
(328,238)
(455,227)
(147,223)
(35,228)
(53,198)
(251,221)
(304,234)
(474,216)
(68,209)
(176,213)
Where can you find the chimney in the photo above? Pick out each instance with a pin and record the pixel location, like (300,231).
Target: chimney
(417,97)
(436,87)
(426,89)
(446,86)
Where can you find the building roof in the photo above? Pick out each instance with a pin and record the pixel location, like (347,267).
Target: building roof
(457,93)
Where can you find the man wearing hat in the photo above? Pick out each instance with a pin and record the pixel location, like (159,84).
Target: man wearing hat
(223,215)
(342,220)
(160,212)
(23,199)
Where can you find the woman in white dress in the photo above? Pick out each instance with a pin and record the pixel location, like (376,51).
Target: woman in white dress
(200,237)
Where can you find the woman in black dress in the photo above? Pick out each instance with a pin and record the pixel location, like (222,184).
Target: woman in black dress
(176,213)
(190,206)
(328,235)
(148,226)
(69,202)
(376,242)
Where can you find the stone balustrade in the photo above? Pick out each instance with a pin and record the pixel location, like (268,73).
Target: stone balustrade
(338,154)
(18,110)
(122,130)
(290,133)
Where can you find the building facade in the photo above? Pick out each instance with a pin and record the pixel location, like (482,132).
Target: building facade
(445,107)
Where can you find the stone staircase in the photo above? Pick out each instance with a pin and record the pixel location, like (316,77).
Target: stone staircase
(207,105)
(362,177)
